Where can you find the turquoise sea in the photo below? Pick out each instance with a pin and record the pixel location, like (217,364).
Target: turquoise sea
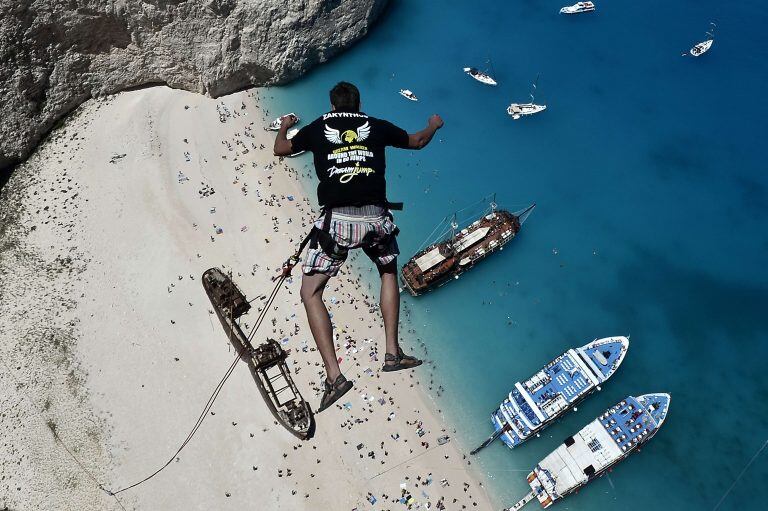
(649,173)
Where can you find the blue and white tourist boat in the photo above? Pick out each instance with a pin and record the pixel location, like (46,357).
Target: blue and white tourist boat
(535,403)
(598,446)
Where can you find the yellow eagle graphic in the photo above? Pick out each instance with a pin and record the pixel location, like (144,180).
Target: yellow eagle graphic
(348,136)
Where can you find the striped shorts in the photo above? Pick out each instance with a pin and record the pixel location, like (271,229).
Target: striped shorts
(368,227)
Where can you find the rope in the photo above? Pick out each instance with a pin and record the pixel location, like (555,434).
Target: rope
(462,220)
(740,475)
(219,386)
(267,305)
(405,461)
(197,425)
(55,434)
(284,274)
(430,236)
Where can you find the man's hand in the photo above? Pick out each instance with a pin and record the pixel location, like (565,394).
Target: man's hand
(435,122)
(287,121)
(423,137)
(283,146)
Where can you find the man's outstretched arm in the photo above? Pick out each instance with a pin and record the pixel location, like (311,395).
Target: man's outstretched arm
(421,138)
(283,146)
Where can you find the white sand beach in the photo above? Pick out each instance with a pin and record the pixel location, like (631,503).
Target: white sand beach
(107,336)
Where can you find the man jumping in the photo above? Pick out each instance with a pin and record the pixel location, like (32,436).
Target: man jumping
(348,148)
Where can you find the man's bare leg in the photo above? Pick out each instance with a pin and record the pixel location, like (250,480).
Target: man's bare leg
(312,287)
(389,302)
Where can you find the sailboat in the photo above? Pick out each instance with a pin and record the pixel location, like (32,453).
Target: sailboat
(517,110)
(481,76)
(703,47)
(457,250)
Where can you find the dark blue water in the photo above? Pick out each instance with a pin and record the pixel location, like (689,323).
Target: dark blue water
(649,173)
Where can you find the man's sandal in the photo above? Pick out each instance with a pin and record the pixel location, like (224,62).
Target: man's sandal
(401,361)
(333,391)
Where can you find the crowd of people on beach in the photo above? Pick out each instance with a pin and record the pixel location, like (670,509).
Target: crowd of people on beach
(350,297)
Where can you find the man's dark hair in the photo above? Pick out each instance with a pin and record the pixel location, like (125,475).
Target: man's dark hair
(345,97)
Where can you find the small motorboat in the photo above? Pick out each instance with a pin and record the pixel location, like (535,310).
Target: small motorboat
(703,47)
(480,76)
(518,110)
(407,94)
(292,133)
(275,125)
(578,8)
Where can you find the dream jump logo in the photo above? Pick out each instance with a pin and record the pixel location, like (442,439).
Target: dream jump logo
(347,173)
(348,136)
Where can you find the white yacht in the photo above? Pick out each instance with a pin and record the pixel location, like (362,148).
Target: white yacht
(518,110)
(578,8)
(481,76)
(408,94)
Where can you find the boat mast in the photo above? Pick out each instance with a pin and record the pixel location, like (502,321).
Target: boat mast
(493,203)
(711,32)
(533,88)
(490,64)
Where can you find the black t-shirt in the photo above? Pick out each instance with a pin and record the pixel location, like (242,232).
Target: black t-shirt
(348,148)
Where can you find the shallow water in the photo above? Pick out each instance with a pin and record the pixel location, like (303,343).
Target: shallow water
(652,221)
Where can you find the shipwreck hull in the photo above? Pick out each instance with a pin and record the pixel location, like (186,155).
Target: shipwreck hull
(267,362)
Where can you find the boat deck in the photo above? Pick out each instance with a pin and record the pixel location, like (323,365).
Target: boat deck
(442,261)
(630,422)
(565,378)
(606,354)
(559,386)
(596,448)
(551,390)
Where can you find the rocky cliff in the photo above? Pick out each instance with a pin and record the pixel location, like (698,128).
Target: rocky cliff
(55,54)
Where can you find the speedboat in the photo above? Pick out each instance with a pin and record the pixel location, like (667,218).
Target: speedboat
(578,8)
(703,47)
(292,133)
(275,125)
(407,94)
(480,76)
